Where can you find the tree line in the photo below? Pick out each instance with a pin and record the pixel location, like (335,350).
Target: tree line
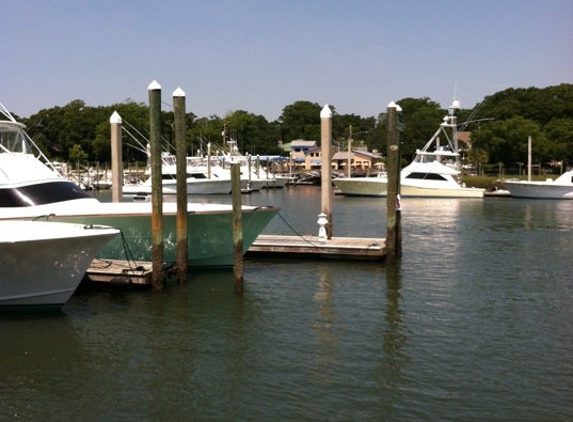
(499,125)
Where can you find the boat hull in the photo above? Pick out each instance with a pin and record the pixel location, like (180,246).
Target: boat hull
(539,190)
(194,187)
(210,228)
(378,186)
(361,186)
(45,269)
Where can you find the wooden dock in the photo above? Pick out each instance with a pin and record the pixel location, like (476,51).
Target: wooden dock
(119,272)
(139,273)
(351,248)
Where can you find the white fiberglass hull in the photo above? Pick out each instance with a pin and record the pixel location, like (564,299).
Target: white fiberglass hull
(378,186)
(210,227)
(194,187)
(361,186)
(440,192)
(42,263)
(539,190)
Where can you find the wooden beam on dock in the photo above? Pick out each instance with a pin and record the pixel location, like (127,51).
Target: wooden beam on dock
(351,248)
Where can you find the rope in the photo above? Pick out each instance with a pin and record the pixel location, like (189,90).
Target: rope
(295,232)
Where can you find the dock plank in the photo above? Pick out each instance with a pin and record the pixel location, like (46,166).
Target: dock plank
(356,248)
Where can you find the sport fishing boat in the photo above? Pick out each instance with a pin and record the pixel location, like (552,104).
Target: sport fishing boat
(42,263)
(434,172)
(560,188)
(31,188)
(199,181)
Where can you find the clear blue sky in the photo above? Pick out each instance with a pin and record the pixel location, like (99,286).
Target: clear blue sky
(262,55)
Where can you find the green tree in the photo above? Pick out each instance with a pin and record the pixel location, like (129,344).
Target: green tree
(300,120)
(77,155)
(477,157)
(253,133)
(506,141)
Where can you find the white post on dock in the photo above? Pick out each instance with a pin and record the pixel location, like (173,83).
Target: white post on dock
(154,91)
(349,153)
(181,163)
(326,167)
(116,158)
(209,160)
(529,158)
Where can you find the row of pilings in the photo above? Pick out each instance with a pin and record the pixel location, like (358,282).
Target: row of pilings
(393,209)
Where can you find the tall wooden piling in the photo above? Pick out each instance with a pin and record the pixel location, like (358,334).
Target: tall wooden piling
(181,162)
(326,167)
(116,158)
(154,91)
(393,228)
(237,227)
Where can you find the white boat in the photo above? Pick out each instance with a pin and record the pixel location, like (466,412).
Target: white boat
(434,172)
(42,263)
(31,188)
(560,188)
(199,181)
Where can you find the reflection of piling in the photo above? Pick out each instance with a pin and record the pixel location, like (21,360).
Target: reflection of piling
(181,162)
(326,169)
(237,227)
(154,91)
(393,224)
(116,158)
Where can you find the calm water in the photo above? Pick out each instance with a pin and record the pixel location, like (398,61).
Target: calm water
(475,324)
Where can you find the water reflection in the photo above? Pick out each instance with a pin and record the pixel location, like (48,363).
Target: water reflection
(390,371)
(324,321)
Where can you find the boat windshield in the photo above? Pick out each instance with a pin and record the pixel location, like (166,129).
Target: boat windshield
(40,194)
(13,139)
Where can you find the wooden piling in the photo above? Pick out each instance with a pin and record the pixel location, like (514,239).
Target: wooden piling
(154,91)
(116,158)
(181,162)
(393,225)
(237,227)
(326,167)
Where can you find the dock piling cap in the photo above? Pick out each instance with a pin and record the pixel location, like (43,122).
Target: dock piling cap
(153,86)
(326,113)
(178,93)
(115,118)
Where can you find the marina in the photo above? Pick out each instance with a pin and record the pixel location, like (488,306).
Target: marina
(473,323)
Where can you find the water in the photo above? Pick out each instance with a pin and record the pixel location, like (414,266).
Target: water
(474,324)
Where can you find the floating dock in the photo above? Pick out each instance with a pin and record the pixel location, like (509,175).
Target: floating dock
(119,272)
(351,248)
(133,273)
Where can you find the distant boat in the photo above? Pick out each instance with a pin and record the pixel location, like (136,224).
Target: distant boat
(434,172)
(197,179)
(31,188)
(560,188)
(42,263)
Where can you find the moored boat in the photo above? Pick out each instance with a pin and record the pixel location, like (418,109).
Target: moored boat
(42,263)
(434,172)
(30,188)
(560,188)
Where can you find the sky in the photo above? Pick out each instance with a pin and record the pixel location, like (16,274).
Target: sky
(262,55)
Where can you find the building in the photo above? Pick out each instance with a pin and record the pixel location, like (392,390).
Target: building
(359,160)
